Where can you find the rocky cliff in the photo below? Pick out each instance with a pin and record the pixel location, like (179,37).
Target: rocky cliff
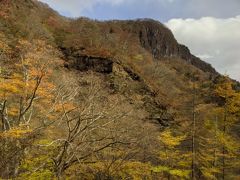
(159,40)
(149,34)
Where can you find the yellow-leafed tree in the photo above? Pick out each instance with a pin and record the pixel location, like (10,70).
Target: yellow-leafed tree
(26,101)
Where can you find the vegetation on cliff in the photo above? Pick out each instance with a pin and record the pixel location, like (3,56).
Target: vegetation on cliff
(85,99)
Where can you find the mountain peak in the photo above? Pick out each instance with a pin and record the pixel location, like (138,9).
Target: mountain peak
(160,41)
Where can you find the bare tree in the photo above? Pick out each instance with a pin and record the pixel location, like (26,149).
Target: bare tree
(86,121)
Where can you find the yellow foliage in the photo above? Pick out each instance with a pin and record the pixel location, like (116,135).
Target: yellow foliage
(230,98)
(125,170)
(168,139)
(19,132)
(13,111)
(18,89)
(4,48)
(229,142)
(136,170)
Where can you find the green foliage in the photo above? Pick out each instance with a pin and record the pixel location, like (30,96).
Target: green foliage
(40,175)
(37,163)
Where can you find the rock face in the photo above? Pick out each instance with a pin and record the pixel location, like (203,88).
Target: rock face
(184,53)
(156,38)
(153,36)
(159,40)
(85,62)
(98,64)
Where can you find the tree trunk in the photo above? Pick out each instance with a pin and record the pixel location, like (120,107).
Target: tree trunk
(223,147)
(193,130)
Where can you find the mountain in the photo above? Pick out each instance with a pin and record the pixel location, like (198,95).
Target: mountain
(89,99)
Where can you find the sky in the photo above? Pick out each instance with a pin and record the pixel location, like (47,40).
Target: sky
(210,28)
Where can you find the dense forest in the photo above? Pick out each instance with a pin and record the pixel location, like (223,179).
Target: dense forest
(88,99)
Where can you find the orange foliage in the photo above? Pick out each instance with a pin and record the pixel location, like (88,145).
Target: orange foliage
(100,52)
(30,87)
(52,21)
(4,8)
(19,132)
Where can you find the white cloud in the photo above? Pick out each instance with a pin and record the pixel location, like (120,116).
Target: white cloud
(204,56)
(217,41)
(213,39)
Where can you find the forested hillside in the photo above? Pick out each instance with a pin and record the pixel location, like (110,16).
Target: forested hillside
(88,99)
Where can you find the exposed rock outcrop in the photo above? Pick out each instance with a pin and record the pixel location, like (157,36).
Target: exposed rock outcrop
(153,36)
(160,41)
(98,64)
(82,62)
(184,53)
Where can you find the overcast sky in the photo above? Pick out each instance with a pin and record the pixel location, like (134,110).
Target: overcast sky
(210,28)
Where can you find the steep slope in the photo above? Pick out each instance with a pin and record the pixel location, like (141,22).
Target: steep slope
(149,34)
(144,49)
(89,99)
(159,40)
(152,35)
(28,19)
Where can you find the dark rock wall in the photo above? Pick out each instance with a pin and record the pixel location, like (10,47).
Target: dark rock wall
(160,41)
(98,64)
(184,53)
(81,62)
(154,37)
